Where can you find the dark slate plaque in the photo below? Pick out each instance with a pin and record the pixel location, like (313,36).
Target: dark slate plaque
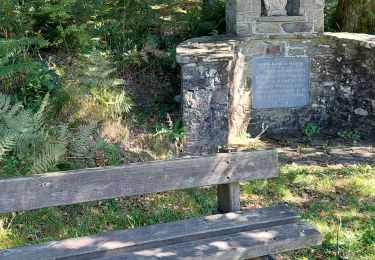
(281,82)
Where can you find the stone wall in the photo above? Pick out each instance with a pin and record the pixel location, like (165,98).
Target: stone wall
(342,90)
(217,80)
(217,85)
(205,91)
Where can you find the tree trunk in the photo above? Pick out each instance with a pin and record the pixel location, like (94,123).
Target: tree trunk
(356,16)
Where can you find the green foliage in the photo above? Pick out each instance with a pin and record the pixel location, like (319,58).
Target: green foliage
(330,21)
(83,146)
(371,22)
(211,19)
(52,153)
(14,124)
(137,34)
(113,103)
(173,131)
(14,56)
(21,73)
(353,136)
(309,130)
(29,143)
(93,90)
(23,136)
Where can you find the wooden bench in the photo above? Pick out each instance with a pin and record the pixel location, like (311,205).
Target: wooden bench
(229,235)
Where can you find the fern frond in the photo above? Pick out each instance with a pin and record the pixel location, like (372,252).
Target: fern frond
(40,116)
(83,145)
(122,104)
(8,71)
(52,154)
(15,109)
(4,103)
(17,123)
(12,116)
(28,142)
(15,45)
(7,143)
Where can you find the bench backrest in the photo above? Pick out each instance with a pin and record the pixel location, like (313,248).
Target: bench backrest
(64,188)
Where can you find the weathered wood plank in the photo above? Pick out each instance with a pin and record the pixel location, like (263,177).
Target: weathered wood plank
(143,238)
(63,188)
(242,245)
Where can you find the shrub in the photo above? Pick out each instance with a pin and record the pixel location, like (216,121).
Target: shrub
(309,130)
(353,136)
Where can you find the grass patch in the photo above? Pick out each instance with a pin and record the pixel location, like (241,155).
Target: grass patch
(340,202)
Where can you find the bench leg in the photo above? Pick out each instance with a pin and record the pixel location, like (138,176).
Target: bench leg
(228,196)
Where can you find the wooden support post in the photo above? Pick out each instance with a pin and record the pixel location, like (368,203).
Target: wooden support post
(228,195)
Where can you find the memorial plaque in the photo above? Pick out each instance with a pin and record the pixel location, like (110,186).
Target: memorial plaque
(281,82)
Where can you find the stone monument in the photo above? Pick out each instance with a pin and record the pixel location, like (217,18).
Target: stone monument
(275,7)
(274,67)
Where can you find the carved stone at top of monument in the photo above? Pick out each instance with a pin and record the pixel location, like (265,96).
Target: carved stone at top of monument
(275,7)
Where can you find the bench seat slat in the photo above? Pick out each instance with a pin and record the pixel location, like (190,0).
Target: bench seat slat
(64,188)
(242,245)
(159,235)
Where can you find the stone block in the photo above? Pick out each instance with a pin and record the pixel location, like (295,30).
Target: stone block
(220,97)
(297,27)
(243,6)
(319,26)
(275,50)
(268,27)
(296,52)
(256,6)
(244,29)
(281,19)
(297,44)
(307,3)
(246,18)
(255,48)
(314,15)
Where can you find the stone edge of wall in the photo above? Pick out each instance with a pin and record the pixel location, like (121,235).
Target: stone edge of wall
(365,40)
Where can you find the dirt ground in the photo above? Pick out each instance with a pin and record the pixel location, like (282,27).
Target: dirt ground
(323,151)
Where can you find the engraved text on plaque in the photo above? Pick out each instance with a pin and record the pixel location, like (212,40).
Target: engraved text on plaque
(281,82)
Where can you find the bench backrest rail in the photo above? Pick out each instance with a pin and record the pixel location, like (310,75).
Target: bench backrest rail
(65,188)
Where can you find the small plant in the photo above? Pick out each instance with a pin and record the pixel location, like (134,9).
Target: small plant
(173,131)
(353,136)
(309,130)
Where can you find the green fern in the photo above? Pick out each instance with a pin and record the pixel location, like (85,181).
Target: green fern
(13,122)
(9,49)
(13,56)
(40,115)
(83,145)
(7,143)
(39,146)
(8,71)
(26,136)
(52,154)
